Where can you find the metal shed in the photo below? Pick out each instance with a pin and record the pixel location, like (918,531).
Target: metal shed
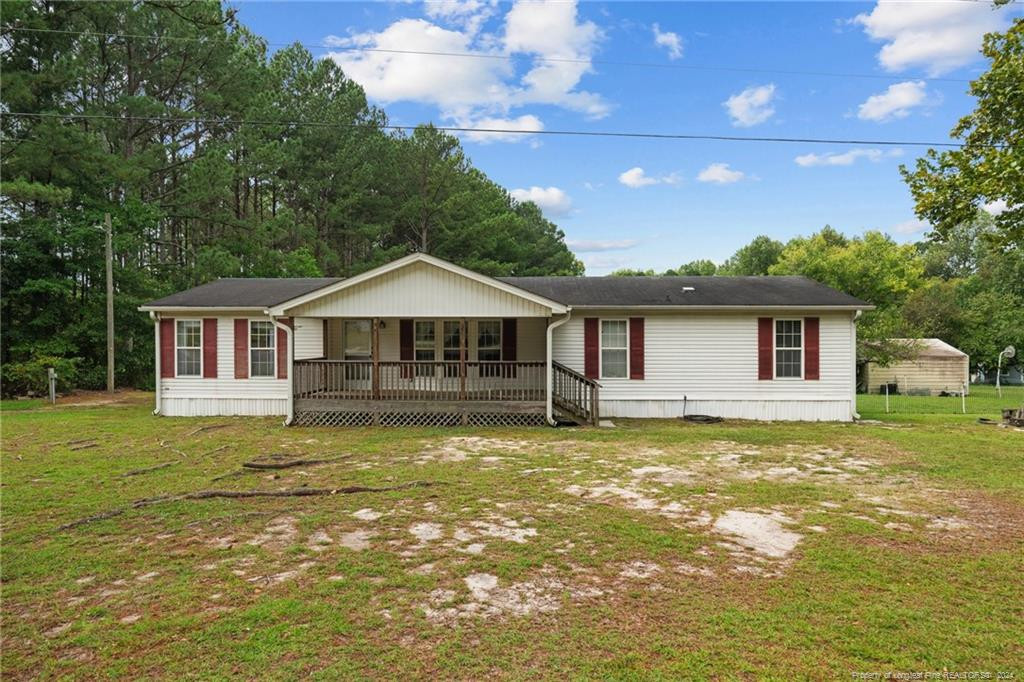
(937,368)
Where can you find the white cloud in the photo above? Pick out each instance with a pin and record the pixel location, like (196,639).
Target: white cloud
(470,14)
(472,91)
(551,29)
(670,41)
(895,102)
(721,174)
(995,207)
(911,226)
(451,83)
(597,245)
(845,158)
(637,177)
(604,262)
(937,36)
(526,122)
(552,201)
(752,106)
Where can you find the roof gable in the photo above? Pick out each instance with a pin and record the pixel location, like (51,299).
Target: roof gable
(420,285)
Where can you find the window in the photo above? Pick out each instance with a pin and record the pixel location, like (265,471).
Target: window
(789,350)
(614,349)
(452,343)
(261,348)
(488,346)
(356,345)
(190,350)
(426,347)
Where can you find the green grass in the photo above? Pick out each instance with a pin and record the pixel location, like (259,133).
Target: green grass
(981,401)
(21,404)
(854,595)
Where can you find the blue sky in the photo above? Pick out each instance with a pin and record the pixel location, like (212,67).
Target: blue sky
(651,203)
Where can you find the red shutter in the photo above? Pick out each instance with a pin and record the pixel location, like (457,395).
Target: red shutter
(765,348)
(209,348)
(166,348)
(509,344)
(812,349)
(591,348)
(241,349)
(636,348)
(405,346)
(282,349)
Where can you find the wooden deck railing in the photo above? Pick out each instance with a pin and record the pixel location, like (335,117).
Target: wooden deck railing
(575,393)
(419,381)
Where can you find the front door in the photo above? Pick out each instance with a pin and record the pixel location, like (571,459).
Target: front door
(356,340)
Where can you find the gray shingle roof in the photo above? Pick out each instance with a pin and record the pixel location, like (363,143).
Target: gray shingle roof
(243,292)
(669,291)
(573,291)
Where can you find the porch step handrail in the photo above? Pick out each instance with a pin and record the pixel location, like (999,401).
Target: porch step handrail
(575,393)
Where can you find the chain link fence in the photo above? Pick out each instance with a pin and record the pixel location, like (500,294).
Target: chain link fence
(981,400)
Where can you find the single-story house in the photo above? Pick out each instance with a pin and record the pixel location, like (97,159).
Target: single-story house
(423,341)
(936,367)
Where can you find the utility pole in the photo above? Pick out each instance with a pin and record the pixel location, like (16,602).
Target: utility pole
(110,303)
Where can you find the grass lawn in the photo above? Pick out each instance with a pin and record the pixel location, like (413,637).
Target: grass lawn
(653,550)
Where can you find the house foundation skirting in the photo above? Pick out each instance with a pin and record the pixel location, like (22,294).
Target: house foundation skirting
(417,413)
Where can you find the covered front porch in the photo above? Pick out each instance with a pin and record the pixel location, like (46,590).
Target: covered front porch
(424,342)
(435,367)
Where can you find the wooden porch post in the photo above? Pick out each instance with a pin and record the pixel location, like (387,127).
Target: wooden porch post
(463,330)
(375,357)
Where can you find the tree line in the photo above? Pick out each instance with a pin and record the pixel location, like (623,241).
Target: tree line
(965,289)
(214,159)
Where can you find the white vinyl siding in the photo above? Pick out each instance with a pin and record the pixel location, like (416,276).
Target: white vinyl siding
(421,290)
(225,395)
(710,358)
(188,348)
(309,338)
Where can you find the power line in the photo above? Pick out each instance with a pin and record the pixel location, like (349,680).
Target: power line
(505,57)
(502,131)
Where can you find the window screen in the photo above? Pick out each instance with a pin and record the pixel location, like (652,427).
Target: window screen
(261,349)
(189,343)
(788,348)
(614,344)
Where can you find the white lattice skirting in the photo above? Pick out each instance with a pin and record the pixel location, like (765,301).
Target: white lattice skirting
(428,419)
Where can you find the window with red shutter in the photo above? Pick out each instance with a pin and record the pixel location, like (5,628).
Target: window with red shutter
(636,348)
(765,348)
(406,345)
(241,348)
(812,348)
(209,348)
(166,348)
(282,349)
(591,347)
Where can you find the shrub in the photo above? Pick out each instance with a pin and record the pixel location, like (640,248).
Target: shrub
(23,378)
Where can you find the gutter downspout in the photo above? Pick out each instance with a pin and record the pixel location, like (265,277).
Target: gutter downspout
(156,352)
(548,407)
(290,417)
(853,352)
